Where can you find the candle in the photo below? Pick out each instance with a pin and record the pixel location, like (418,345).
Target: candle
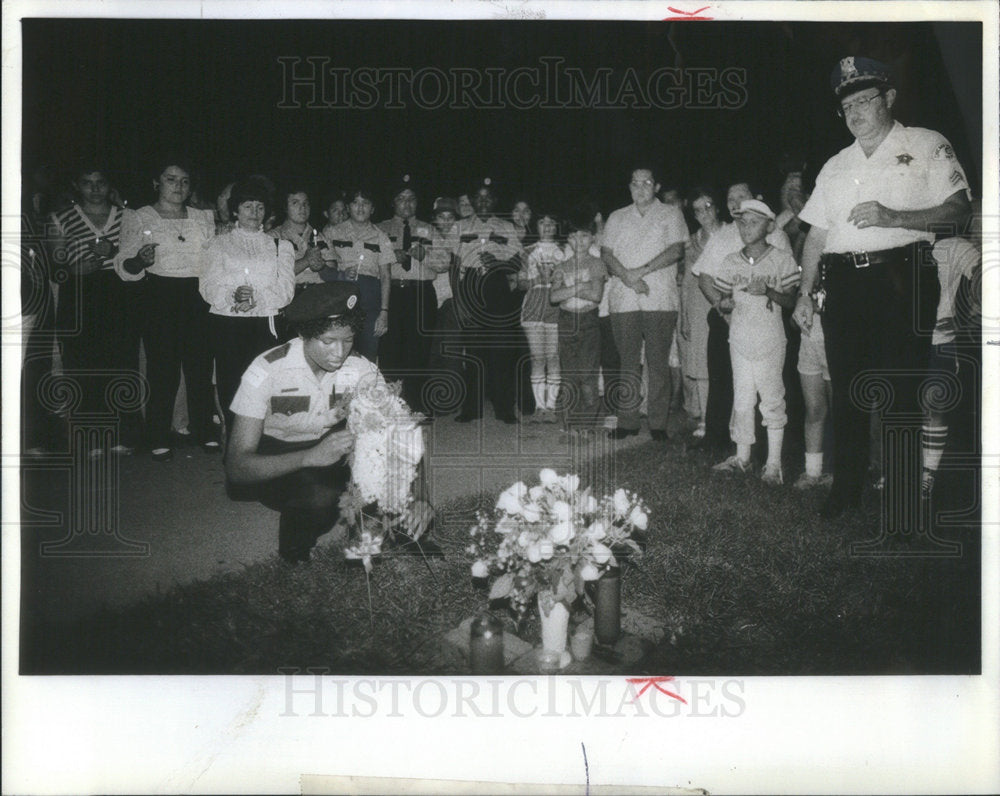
(607,607)
(486,645)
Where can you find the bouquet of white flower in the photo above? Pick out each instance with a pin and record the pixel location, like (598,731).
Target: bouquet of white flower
(553,537)
(388,447)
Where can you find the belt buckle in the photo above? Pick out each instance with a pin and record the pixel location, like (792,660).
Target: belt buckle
(860,259)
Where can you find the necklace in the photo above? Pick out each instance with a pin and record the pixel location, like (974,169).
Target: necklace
(177,228)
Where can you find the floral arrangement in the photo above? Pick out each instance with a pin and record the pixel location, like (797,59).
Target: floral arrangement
(552,538)
(388,447)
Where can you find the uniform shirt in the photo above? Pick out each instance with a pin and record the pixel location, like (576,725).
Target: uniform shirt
(180,241)
(439,254)
(240,257)
(420,232)
(295,404)
(365,248)
(635,239)
(490,236)
(301,245)
(726,240)
(912,169)
(586,268)
(74,226)
(756,329)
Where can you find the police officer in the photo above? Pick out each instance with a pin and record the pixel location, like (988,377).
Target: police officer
(489,254)
(289,436)
(873,215)
(405,349)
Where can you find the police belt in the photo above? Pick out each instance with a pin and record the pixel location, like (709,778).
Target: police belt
(900,254)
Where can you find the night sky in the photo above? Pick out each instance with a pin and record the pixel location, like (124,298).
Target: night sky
(129,91)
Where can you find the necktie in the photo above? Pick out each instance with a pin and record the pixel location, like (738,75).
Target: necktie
(406,245)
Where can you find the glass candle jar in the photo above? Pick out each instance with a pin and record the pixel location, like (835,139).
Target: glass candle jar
(608,607)
(486,645)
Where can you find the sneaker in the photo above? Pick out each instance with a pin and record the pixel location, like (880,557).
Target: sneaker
(699,433)
(211,446)
(806,481)
(123,450)
(96,453)
(734,464)
(772,475)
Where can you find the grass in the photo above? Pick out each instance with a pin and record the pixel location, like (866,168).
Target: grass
(747,580)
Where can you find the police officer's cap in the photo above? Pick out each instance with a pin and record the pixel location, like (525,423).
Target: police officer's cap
(406,183)
(854,70)
(326,300)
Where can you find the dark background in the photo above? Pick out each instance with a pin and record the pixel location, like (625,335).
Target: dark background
(129,90)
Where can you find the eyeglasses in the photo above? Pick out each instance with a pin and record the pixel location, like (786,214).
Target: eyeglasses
(858,104)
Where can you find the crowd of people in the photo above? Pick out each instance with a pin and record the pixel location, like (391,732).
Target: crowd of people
(700,301)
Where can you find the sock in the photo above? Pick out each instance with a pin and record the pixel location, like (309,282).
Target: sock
(932,441)
(775,436)
(814,464)
(551,392)
(743,451)
(538,390)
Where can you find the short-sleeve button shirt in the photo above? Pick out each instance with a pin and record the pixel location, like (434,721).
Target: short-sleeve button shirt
(295,404)
(490,236)
(635,239)
(420,232)
(912,169)
(365,248)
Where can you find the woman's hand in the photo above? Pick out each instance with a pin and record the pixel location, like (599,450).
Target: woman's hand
(329,450)
(244,293)
(803,313)
(725,306)
(382,323)
(147,254)
(313,259)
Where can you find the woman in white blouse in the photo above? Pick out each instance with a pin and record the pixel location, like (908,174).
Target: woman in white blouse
(247,277)
(162,243)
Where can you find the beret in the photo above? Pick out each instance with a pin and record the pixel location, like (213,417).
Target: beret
(326,300)
(854,69)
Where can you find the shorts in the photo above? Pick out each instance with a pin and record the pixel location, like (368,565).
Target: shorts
(812,352)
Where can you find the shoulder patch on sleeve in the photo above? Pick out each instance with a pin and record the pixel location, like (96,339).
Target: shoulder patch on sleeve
(944,152)
(255,375)
(277,353)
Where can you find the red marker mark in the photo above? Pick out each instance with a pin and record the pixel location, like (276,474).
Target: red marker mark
(655,683)
(686,15)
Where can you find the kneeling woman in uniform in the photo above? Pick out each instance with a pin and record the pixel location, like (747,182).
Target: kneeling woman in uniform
(289,435)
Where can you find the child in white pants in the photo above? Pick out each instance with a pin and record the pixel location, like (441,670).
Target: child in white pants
(750,287)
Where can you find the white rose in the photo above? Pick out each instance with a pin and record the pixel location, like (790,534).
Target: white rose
(506,526)
(561,532)
(534,554)
(571,482)
(589,572)
(601,553)
(546,549)
(524,539)
(562,510)
(596,530)
(536,492)
(548,477)
(480,570)
(621,502)
(590,505)
(531,513)
(510,498)
(638,518)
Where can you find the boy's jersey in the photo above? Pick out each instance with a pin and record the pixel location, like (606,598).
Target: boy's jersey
(756,328)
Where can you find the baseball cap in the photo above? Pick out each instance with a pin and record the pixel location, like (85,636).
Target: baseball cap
(445,203)
(755,206)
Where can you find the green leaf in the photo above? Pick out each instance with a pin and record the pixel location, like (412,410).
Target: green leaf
(502,586)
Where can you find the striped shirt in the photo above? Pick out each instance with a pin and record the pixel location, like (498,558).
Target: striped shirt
(756,329)
(73,226)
